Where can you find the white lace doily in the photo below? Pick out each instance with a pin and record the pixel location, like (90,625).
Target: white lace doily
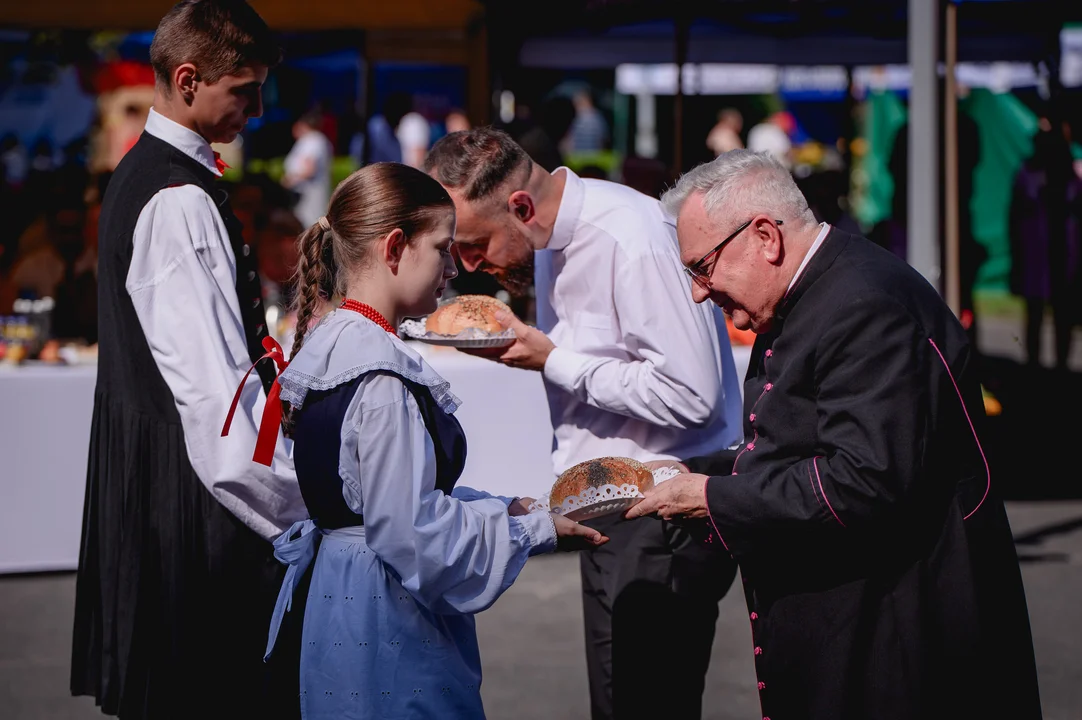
(468,338)
(603,500)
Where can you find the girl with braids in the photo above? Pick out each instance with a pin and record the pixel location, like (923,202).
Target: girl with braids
(400,558)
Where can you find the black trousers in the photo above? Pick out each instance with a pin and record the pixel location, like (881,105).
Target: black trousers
(650,605)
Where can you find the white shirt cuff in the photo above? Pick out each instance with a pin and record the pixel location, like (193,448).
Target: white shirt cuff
(564,367)
(540,529)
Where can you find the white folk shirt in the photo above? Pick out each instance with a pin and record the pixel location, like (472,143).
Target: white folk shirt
(639,370)
(182,282)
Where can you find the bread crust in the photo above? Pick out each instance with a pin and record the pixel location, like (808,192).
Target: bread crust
(464,312)
(597,472)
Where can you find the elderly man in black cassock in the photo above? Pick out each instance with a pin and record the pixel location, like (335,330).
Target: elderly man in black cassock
(879,567)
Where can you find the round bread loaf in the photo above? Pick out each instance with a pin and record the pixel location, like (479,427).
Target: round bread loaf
(601,471)
(466,311)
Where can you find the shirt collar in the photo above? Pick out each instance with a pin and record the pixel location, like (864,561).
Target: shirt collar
(567,217)
(824,230)
(186,141)
(345,345)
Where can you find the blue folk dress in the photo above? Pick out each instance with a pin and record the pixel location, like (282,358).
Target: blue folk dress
(400,558)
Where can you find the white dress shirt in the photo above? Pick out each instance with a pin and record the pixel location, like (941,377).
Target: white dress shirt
(639,370)
(182,282)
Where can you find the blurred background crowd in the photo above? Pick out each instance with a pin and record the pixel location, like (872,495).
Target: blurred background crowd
(73,101)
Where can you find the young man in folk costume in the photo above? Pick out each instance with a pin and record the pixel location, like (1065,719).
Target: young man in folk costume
(177,579)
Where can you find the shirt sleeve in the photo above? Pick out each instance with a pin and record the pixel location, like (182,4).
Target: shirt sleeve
(453,555)
(182,282)
(871,367)
(674,379)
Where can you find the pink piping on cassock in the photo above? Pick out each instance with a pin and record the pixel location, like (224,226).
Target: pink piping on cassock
(987,471)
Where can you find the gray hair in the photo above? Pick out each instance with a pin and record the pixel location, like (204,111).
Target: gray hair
(742,181)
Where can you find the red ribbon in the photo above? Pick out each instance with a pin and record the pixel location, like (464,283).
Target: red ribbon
(222,166)
(272,411)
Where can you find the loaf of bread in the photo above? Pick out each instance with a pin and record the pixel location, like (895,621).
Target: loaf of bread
(466,311)
(601,471)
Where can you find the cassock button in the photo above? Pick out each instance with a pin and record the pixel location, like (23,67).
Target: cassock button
(768,387)
(754,616)
(758,650)
(769,353)
(259,329)
(762,686)
(251,275)
(255,302)
(246,249)
(751,418)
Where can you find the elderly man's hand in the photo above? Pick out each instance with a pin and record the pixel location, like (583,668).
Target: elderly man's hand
(683,496)
(529,351)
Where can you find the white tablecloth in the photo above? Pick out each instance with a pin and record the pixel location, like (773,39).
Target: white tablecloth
(45,430)
(45,417)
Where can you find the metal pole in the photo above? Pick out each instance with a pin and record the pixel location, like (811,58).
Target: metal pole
(678,101)
(952,249)
(923,213)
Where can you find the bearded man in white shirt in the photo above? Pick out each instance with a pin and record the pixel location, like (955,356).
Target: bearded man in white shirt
(632,367)
(177,579)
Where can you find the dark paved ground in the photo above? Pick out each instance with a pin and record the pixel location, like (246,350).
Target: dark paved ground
(531,641)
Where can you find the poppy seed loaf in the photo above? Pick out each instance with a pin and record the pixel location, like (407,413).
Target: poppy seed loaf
(598,472)
(464,312)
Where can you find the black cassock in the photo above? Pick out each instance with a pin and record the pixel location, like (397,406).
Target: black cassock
(879,567)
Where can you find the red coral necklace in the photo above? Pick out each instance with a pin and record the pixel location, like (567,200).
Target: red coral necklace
(369,312)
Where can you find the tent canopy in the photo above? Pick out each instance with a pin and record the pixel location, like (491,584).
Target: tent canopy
(604,33)
(281,15)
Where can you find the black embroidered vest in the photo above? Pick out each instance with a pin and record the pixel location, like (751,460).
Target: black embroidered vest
(126,368)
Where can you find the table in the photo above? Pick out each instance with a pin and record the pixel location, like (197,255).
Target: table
(45,432)
(44,436)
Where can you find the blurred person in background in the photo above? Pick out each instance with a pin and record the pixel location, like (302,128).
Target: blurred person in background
(177,578)
(381,142)
(632,368)
(774,135)
(15,165)
(649,176)
(308,167)
(544,139)
(414,136)
(14,162)
(725,135)
(456,121)
(893,233)
(1046,240)
(589,131)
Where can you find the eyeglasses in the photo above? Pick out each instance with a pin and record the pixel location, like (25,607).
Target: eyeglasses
(700,272)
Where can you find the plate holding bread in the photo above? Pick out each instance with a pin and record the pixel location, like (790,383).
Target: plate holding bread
(464,321)
(601,486)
